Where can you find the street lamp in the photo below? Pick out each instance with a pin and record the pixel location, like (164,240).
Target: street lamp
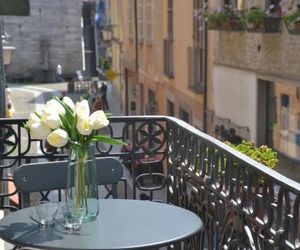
(7,51)
(107,35)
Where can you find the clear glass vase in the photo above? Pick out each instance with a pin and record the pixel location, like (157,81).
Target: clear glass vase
(82,189)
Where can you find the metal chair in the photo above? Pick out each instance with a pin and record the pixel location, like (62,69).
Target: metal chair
(44,177)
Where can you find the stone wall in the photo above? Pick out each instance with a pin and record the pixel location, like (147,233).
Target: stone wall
(275,54)
(51,35)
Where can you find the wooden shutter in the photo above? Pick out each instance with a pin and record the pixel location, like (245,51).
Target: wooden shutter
(149,18)
(140,20)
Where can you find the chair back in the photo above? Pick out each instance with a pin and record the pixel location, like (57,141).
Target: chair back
(47,176)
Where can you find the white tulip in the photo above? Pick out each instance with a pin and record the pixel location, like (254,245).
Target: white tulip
(58,138)
(33,118)
(51,120)
(39,131)
(67,100)
(84,126)
(54,106)
(99,119)
(82,109)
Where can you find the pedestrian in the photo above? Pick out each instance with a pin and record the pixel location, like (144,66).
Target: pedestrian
(100,73)
(103,90)
(79,75)
(93,92)
(97,104)
(7,94)
(9,111)
(59,77)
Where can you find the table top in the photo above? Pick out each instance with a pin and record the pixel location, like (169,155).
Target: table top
(121,224)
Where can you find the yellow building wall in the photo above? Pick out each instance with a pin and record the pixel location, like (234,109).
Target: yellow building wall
(151,57)
(178,87)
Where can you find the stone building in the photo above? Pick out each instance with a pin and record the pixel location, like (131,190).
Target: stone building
(256,81)
(51,35)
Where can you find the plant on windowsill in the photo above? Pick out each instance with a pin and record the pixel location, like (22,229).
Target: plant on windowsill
(291,16)
(258,20)
(226,19)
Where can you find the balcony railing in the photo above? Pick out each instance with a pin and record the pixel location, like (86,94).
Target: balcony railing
(243,204)
(168,58)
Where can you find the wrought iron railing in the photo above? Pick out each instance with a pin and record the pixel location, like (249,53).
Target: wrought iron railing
(243,204)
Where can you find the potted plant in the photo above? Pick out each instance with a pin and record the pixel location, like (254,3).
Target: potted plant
(226,19)
(258,20)
(267,157)
(292,18)
(262,154)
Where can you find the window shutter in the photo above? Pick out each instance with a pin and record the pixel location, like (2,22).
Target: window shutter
(149,31)
(140,21)
(196,20)
(170,18)
(130,19)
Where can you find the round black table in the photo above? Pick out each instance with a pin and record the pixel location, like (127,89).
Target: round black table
(121,224)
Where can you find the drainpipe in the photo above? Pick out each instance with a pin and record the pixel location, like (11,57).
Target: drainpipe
(2,77)
(205,75)
(126,93)
(136,43)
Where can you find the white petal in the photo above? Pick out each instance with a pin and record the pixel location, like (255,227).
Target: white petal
(84,126)
(82,109)
(67,100)
(54,106)
(39,131)
(58,138)
(99,119)
(51,120)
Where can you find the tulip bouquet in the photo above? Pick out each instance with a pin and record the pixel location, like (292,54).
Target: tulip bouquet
(62,122)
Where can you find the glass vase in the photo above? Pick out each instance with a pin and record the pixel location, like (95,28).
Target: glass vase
(82,189)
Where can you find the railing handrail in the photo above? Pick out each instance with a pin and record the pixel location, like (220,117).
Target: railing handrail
(291,184)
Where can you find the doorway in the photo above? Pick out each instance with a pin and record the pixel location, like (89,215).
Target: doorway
(266,112)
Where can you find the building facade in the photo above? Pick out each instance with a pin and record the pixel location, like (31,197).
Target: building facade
(256,82)
(163,59)
(50,35)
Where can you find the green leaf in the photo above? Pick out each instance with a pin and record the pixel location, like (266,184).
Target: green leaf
(65,123)
(108,140)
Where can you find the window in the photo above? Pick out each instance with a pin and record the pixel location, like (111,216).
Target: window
(237,4)
(272,2)
(140,21)
(183,115)
(196,21)
(284,114)
(149,32)
(196,53)
(170,108)
(151,102)
(142,111)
